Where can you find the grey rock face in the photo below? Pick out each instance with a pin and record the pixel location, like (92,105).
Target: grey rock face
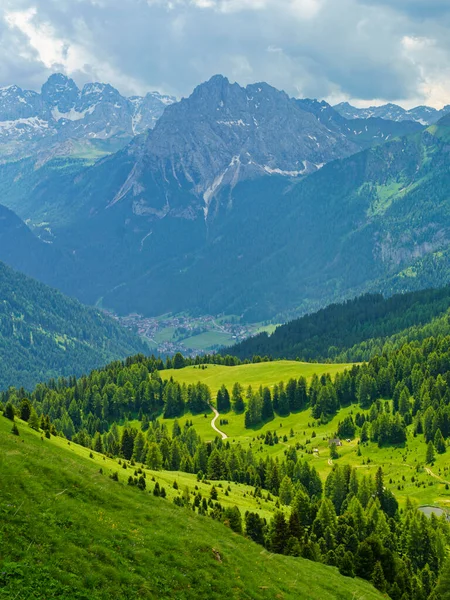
(222,134)
(62,112)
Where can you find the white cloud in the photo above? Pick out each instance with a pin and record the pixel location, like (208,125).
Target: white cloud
(361,50)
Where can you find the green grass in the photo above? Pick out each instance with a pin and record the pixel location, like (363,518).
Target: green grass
(69,532)
(208,339)
(400,464)
(255,374)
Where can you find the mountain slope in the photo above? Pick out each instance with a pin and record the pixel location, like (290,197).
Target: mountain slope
(71,532)
(211,211)
(44,334)
(364,132)
(355,330)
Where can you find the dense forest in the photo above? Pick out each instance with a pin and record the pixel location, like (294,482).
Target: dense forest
(355,330)
(349,521)
(44,334)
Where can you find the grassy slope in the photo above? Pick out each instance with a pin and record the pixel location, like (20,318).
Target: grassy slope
(265,374)
(399,464)
(68,532)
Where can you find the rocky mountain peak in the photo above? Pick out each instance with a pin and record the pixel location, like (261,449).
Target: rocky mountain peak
(63,112)
(60,92)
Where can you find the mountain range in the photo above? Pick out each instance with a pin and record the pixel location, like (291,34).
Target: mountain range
(97,114)
(425,115)
(239,200)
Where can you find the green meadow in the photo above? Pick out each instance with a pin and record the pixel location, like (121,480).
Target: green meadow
(254,374)
(406,473)
(69,532)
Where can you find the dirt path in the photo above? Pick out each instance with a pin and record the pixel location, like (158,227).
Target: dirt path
(430,472)
(213,422)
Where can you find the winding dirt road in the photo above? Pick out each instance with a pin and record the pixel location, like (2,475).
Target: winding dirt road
(438,477)
(213,422)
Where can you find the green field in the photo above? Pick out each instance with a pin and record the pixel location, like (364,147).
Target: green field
(397,462)
(404,467)
(208,339)
(69,532)
(255,374)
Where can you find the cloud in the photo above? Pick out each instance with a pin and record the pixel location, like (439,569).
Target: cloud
(361,50)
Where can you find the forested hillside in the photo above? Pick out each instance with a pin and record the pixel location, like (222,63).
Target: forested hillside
(354,330)
(44,334)
(346,515)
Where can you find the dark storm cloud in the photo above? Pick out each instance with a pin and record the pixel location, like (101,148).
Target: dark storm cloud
(357,49)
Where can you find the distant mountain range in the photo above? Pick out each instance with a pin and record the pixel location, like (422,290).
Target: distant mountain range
(63,112)
(425,115)
(239,200)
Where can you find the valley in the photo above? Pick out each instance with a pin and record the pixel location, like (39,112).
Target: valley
(225,300)
(190,335)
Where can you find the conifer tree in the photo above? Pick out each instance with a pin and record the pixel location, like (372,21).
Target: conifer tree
(439,442)
(127,444)
(286,490)
(430,453)
(25,409)
(378,578)
(8,411)
(33,421)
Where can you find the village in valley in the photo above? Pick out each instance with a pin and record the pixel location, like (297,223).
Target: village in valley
(169,334)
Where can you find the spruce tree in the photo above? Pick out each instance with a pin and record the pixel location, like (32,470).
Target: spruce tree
(378,578)
(430,453)
(439,442)
(346,565)
(8,411)
(278,533)
(267,407)
(33,421)
(127,444)
(25,409)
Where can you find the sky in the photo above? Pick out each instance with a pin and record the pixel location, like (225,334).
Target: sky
(363,51)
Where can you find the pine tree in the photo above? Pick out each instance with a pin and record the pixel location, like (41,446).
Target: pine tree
(237,400)
(254,527)
(154,457)
(223,403)
(215,465)
(138,448)
(278,533)
(443,584)
(333,451)
(346,565)
(286,490)
(127,444)
(430,453)
(8,411)
(98,443)
(14,429)
(439,442)
(378,578)
(267,407)
(25,409)
(33,421)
